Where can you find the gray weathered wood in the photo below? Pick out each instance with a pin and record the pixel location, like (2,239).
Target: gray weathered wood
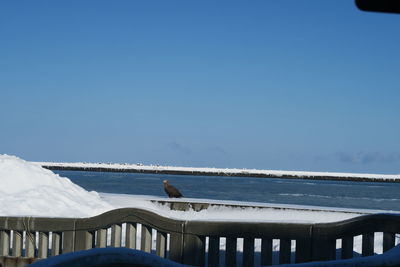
(4,242)
(101,238)
(323,249)
(284,251)
(266,251)
(116,231)
(176,247)
(193,250)
(213,251)
(248,252)
(17,244)
(43,245)
(303,250)
(388,241)
(30,244)
(230,251)
(83,240)
(146,239)
(130,235)
(161,244)
(347,247)
(55,243)
(368,244)
(68,242)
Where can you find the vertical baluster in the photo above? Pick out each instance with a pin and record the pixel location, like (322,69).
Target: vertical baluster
(284,251)
(55,243)
(161,246)
(116,235)
(248,252)
(146,238)
(230,253)
(101,238)
(347,247)
(17,244)
(43,245)
(29,244)
(4,243)
(368,244)
(388,241)
(130,235)
(213,251)
(266,251)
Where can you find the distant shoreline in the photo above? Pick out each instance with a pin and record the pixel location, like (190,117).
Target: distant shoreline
(139,168)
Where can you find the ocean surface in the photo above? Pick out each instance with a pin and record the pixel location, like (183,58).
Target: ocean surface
(343,194)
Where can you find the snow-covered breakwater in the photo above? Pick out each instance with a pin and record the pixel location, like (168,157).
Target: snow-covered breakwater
(139,168)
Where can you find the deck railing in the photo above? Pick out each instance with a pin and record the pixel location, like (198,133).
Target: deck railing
(199,243)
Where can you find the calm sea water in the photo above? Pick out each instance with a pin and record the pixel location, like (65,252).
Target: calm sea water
(342,194)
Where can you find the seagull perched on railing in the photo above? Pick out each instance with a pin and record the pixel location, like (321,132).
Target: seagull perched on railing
(171,190)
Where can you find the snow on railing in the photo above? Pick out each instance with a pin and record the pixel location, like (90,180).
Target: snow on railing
(199,243)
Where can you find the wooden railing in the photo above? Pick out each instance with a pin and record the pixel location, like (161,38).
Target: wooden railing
(199,243)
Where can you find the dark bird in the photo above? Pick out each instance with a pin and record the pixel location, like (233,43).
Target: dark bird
(171,190)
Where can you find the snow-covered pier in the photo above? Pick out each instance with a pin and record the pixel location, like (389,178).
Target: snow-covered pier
(139,168)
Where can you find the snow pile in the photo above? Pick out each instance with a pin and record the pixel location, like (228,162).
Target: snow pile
(30,190)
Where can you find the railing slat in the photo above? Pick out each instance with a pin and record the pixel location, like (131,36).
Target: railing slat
(248,252)
(213,251)
(388,241)
(116,235)
(146,239)
(4,242)
(55,243)
(266,251)
(17,244)
(101,238)
(161,244)
(284,251)
(368,244)
(43,245)
(130,236)
(347,247)
(230,251)
(29,244)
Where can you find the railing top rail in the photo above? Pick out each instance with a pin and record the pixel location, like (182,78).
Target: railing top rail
(354,226)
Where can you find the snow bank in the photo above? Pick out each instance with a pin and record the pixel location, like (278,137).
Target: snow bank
(27,189)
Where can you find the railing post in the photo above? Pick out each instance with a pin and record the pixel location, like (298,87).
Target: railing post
(176,247)
(323,246)
(83,240)
(194,250)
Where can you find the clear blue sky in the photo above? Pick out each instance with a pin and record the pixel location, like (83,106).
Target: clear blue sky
(292,85)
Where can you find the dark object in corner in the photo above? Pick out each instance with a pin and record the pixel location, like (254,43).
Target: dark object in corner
(388,6)
(171,190)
